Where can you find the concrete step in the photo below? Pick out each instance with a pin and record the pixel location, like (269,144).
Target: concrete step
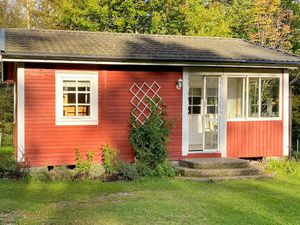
(189,172)
(214,163)
(226,178)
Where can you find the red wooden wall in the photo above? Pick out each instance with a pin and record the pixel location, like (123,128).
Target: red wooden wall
(48,144)
(254,138)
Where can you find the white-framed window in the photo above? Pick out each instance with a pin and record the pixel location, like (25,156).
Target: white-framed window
(76,98)
(254,97)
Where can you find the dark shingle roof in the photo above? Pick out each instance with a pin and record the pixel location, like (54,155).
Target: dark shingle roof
(115,47)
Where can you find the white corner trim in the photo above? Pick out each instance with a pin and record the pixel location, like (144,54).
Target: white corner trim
(21,113)
(185,116)
(285,112)
(223,115)
(76,75)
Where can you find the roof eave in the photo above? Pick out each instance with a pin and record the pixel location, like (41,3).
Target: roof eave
(148,61)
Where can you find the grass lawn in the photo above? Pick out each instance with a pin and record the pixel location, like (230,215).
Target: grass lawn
(154,201)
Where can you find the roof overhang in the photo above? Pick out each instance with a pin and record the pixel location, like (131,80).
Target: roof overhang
(147,62)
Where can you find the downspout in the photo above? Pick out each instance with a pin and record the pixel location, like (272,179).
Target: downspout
(291,112)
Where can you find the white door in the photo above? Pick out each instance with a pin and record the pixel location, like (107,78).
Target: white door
(203,113)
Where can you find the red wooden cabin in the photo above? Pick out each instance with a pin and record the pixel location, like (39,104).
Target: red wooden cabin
(227,97)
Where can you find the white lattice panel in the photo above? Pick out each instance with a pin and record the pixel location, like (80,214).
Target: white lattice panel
(142,94)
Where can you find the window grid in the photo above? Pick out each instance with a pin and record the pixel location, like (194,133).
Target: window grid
(245,99)
(191,101)
(77,92)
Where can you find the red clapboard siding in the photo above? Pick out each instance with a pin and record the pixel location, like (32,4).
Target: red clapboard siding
(48,144)
(254,138)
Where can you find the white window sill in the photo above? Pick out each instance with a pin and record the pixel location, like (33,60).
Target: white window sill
(75,122)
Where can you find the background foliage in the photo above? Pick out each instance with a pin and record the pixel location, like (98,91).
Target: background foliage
(274,23)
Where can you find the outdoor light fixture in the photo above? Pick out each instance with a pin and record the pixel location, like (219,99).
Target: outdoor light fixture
(179,84)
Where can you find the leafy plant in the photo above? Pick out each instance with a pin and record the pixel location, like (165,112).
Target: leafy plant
(283,166)
(128,171)
(8,165)
(111,159)
(83,166)
(149,140)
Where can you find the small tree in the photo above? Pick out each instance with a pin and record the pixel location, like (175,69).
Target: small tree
(149,140)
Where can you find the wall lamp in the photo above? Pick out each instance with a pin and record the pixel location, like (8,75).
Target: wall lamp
(179,84)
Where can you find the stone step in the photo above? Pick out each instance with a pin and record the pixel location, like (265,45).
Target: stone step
(226,178)
(214,163)
(189,172)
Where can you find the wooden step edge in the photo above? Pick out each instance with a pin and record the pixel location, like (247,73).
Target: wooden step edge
(226,178)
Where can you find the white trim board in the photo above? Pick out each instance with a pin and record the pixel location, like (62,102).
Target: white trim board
(21,113)
(285,112)
(185,116)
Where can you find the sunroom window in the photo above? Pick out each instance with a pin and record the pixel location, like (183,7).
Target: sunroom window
(76,98)
(253,97)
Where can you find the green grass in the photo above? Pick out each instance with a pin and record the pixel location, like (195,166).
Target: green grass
(275,201)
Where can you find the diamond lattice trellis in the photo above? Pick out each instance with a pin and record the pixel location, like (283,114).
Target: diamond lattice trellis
(142,94)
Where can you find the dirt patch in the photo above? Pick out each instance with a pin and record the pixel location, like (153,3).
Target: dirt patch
(8,218)
(111,198)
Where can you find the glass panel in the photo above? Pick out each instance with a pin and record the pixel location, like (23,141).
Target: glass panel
(83,110)
(269,97)
(190,100)
(236,97)
(196,109)
(69,98)
(69,110)
(83,86)
(212,92)
(69,85)
(84,98)
(190,108)
(196,100)
(212,109)
(253,97)
(211,134)
(196,91)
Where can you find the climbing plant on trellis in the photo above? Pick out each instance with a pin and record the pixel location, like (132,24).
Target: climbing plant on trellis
(144,95)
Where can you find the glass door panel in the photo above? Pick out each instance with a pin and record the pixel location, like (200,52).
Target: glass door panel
(211,94)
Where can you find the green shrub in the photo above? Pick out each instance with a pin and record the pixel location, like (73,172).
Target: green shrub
(149,141)
(7,140)
(83,166)
(7,150)
(111,159)
(8,165)
(283,166)
(128,171)
(96,171)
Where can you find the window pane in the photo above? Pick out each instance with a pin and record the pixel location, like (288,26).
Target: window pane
(83,110)
(197,100)
(70,110)
(212,101)
(212,109)
(83,85)
(236,97)
(212,92)
(269,97)
(84,98)
(190,110)
(69,98)
(197,91)
(253,97)
(196,109)
(69,85)
(190,100)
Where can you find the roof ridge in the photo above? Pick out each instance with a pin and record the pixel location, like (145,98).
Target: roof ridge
(128,34)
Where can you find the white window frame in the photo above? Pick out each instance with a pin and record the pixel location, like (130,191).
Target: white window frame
(246,115)
(61,76)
